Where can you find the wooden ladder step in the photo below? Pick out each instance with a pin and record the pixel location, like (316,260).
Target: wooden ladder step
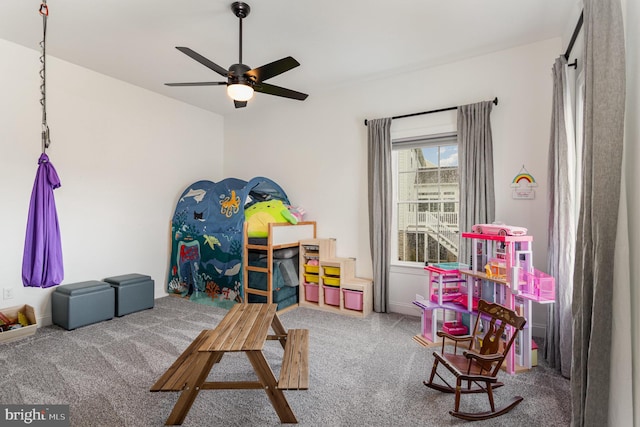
(257,292)
(294,374)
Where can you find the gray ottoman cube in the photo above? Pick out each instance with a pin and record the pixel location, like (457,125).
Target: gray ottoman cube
(80,304)
(134,292)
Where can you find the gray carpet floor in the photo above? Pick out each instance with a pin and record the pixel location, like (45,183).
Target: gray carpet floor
(363,372)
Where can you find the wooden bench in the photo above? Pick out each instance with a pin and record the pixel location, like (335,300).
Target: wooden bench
(176,378)
(294,373)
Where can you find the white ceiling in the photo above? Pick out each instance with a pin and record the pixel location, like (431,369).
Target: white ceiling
(337,42)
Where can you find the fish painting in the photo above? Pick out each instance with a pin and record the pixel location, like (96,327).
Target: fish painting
(212,241)
(230,268)
(230,205)
(197,194)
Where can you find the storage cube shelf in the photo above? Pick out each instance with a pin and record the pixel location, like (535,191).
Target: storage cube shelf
(334,287)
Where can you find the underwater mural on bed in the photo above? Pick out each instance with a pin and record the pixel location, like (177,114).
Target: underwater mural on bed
(206,238)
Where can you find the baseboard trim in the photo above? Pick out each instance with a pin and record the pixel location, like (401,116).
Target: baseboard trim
(539,330)
(45,321)
(404,308)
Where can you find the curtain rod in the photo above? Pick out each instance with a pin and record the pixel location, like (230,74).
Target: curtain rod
(495,101)
(576,31)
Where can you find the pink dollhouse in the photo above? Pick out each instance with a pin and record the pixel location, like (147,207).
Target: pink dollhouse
(501,271)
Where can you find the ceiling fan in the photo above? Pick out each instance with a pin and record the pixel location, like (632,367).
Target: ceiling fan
(242,81)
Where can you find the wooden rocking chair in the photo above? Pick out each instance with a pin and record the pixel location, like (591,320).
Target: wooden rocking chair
(479,365)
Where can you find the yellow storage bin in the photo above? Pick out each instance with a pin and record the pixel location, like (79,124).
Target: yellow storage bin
(311,268)
(331,281)
(331,271)
(312,278)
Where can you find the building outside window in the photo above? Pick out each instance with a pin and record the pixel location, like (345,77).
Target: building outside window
(427,199)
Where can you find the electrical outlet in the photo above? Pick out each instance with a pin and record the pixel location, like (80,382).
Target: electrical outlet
(8,293)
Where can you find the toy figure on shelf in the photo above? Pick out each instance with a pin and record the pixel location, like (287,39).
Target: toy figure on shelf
(487,270)
(496,268)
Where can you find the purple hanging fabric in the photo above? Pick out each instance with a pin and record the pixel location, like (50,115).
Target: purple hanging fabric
(42,260)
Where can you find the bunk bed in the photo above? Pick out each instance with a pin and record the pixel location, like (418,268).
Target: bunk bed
(271,264)
(208,252)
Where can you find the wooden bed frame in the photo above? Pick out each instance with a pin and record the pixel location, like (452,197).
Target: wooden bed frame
(281,235)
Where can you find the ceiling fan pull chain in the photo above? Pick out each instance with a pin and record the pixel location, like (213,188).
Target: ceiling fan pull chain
(46,141)
(240,43)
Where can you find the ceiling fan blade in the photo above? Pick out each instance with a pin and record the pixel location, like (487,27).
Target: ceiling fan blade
(273,69)
(240,104)
(204,61)
(279,91)
(197,84)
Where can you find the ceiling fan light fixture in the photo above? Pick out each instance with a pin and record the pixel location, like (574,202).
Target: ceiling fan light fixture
(240,92)
(242,80)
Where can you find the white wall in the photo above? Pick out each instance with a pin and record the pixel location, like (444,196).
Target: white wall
(317,149)
(123,155)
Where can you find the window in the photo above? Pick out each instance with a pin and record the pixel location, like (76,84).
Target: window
(427,199)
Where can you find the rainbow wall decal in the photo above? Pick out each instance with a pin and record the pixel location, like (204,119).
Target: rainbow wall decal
(528,179)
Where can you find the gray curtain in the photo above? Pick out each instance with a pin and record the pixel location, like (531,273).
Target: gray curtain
(380,208)
(562,221)
(595,245)
(475,151)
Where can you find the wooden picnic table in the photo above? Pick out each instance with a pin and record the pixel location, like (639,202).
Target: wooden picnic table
(244,328)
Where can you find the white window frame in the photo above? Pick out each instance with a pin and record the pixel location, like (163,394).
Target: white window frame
(426,140)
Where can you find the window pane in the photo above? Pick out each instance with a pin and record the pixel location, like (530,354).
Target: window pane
(411,159)
(448,156)
(429,176)
(431,156)
(406,189)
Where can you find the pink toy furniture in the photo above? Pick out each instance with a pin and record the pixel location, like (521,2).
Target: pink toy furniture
(446,286)
(537,286)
